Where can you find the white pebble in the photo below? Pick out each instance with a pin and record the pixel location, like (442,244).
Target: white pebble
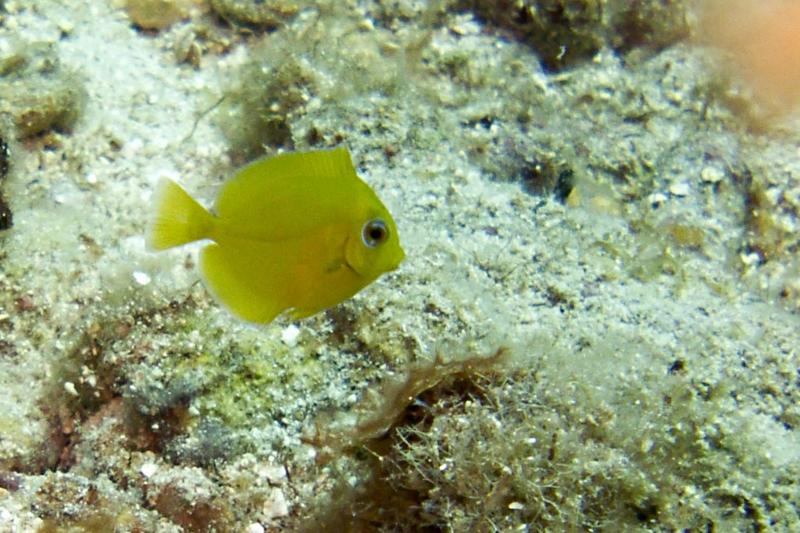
(148,469)
(273,473)
(131,147)
(141,278)
(289,335)
(276,506)
(656,198)
(70,388)
(679,189)
(255,527)
(750,259)
(711,175)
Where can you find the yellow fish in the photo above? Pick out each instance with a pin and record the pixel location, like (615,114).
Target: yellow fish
(298,231)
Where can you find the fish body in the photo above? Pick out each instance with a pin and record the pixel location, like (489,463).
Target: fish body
(298,231)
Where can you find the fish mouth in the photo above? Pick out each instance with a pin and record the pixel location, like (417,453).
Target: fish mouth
(398,261)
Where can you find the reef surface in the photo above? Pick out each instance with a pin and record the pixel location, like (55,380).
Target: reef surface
(595,327)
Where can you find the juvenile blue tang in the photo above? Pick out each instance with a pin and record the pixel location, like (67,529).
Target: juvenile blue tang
(296,232)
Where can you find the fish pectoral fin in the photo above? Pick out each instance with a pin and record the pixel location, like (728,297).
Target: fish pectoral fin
(334,266)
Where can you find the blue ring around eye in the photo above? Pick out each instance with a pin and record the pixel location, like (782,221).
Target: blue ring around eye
(374,232)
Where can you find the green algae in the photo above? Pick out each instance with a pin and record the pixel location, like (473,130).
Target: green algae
(156,14)
(256,112)
(562,32)
(566,33)
(289,76)
(509,448)
(261,14)
(37,91)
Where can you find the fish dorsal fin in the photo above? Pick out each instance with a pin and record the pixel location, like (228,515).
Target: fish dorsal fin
(312,166)
(325,163)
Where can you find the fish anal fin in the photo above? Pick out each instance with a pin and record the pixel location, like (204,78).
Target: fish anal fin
(226,275)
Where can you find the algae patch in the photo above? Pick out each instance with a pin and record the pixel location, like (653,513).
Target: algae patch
(156,14)
(479,450)
(566,33)
(37,92)
(261,14)
(283,96)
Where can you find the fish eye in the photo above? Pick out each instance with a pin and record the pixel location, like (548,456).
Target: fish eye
(374,232)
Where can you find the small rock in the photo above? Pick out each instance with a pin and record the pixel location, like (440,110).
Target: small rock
(148,469)
(711,175)
(141,278)
(156,14)
(679,189)
(289,335)
(274,474)
(70,388)
(656,199)
(276,506)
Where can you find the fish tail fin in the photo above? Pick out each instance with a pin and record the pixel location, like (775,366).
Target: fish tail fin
(177,218)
